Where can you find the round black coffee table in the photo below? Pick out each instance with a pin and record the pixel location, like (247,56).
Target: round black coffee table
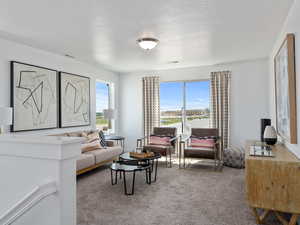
(152,161)
(124,168)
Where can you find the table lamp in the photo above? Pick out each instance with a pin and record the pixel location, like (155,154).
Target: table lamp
(109,114)
(5,117)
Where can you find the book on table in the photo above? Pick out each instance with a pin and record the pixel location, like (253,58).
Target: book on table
(141,155)
(261,149)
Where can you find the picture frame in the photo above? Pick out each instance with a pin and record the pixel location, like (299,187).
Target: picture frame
(74,100)
(34,97)
(285,90)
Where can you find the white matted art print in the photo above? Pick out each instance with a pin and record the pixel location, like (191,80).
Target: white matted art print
(34,97)
(285,87)
(74,100)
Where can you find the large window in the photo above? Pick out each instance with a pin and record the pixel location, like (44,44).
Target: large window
(102,102)
(185,105)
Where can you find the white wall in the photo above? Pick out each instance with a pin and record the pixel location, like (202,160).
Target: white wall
(292,25)
(18,52)
(249,103)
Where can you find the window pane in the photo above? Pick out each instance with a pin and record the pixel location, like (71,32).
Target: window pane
(102,101)
(171,102)
(197,104)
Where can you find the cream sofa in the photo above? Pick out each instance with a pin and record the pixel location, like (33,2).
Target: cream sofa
(93,159)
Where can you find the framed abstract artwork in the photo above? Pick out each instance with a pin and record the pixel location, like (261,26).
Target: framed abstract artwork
(285,90)
(74,100)
(34,97)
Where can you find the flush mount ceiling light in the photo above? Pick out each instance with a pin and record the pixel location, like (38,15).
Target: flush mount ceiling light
(147,43)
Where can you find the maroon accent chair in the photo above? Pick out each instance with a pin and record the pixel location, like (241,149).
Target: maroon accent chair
(213,153)
(164,150)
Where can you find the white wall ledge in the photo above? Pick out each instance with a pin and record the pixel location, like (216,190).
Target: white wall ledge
(39,139)
(42,147)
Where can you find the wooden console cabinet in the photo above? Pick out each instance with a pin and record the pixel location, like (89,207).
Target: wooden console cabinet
(273,184)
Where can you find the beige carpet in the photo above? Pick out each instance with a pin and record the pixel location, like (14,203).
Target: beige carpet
(194,196)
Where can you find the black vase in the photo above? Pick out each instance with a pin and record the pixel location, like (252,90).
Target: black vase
(270,135)
(270,141)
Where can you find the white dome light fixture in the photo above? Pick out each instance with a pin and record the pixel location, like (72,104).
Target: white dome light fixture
(147,43)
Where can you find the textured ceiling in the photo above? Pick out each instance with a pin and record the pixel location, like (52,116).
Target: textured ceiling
(193,32)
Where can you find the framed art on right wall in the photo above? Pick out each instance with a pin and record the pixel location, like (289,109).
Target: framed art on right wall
(285,90)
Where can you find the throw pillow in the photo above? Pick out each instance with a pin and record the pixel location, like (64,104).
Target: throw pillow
(93,137)
(159,140)
(103,143)
(234,157)
(74,134)
(86,147)
(84,134)
(202,143)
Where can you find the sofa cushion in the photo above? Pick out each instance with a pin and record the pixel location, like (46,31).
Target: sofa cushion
(74,134)
(106,154)
(84,161)
(159,140)
(84,134)
(86,147)
(199,152)
(204,143)
(92,142)
(92,137)
(162,149)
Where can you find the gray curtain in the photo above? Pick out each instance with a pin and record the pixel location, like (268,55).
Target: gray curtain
(220,105)
(151,104)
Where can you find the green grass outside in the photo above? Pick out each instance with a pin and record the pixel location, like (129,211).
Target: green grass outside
(168,121)
(198,117)
(100,120)
(164,121)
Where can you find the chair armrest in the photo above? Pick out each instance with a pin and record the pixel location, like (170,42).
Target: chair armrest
(140,142)
(207,137)
(174,138)
(142,138)
(218,142)
(184,138)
